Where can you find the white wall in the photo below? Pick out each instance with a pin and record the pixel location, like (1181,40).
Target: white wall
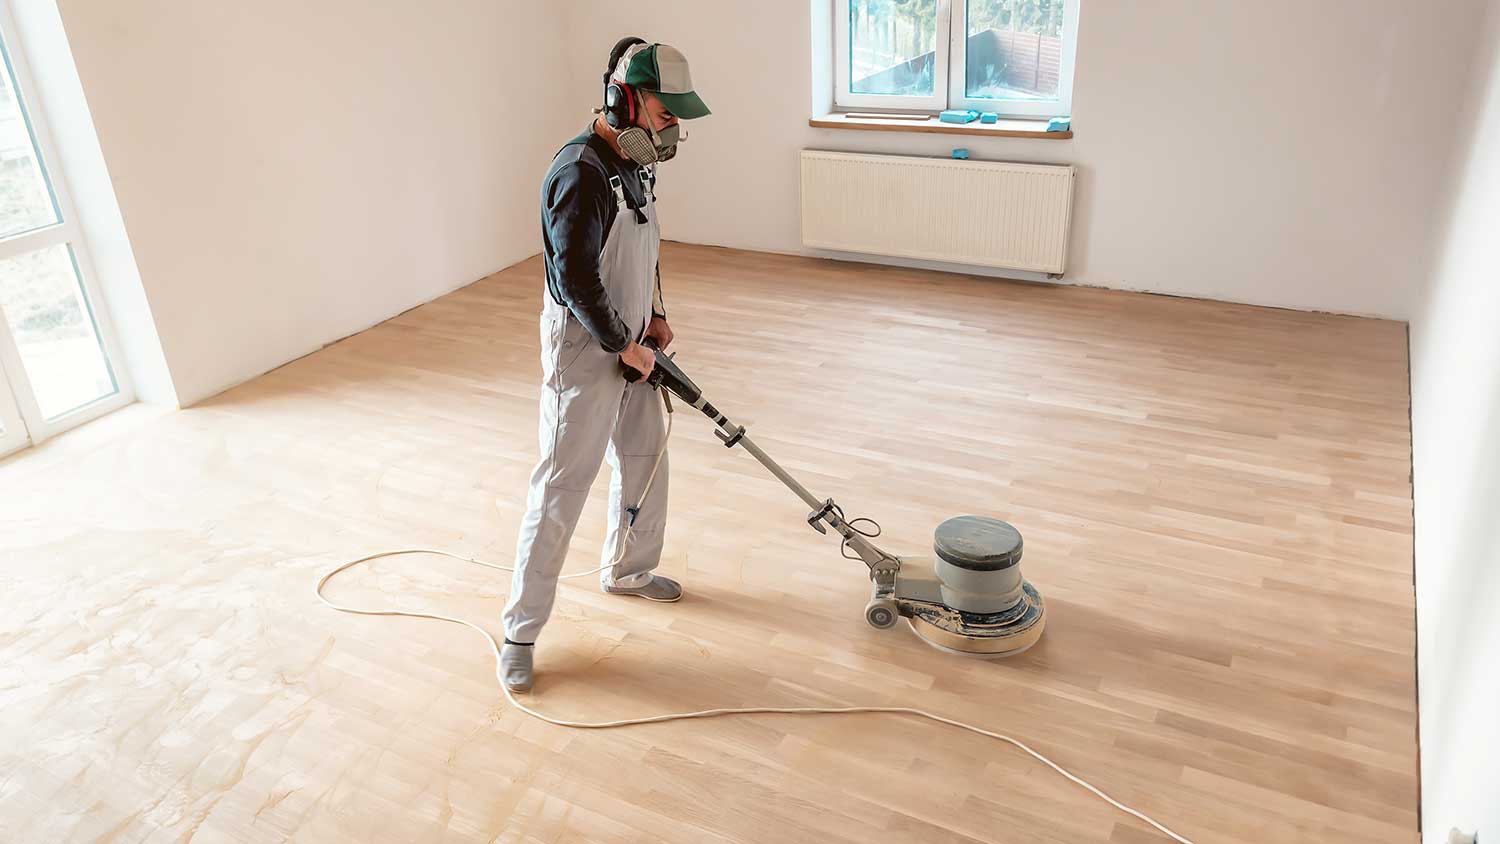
(290,173)
(1260,152)
(1455,332)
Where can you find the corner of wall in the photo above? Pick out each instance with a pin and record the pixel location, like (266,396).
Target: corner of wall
(1455,402)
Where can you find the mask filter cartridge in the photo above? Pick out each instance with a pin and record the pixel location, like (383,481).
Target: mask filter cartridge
(636,143)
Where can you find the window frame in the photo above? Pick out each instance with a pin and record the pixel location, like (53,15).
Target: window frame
(1059,107)
(950,71)
(67,232)
(844,98)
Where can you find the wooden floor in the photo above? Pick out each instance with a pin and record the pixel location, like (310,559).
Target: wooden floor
(1215,500)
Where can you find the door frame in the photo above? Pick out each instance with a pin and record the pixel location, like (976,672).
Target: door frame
(13,437)
(35,427)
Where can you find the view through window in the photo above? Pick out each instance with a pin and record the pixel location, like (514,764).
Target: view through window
(1014,57)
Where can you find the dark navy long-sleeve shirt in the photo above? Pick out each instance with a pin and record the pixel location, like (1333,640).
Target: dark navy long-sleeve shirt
(578,210)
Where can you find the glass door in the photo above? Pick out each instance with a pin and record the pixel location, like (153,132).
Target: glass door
(56,353)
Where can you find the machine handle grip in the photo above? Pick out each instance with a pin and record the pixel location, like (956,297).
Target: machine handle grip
(629,372)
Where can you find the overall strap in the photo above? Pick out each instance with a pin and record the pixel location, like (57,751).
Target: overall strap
(621,203)
(648,183)
(619,189)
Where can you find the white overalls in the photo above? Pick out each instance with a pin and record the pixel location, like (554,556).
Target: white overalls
(589,412)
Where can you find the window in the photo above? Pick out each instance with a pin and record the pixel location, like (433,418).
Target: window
(1014,57)
(55,349)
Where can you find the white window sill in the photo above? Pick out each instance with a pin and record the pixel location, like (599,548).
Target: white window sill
(1036,129)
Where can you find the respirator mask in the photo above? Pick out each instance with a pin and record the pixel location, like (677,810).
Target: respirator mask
(643,144)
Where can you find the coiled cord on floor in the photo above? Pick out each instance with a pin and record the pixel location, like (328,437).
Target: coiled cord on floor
(704,713)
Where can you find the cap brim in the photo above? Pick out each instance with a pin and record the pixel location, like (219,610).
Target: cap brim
(684,106)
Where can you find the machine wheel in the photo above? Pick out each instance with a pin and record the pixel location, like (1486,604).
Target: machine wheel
(881,613)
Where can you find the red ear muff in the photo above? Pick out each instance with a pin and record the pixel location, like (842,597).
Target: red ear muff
(619,105)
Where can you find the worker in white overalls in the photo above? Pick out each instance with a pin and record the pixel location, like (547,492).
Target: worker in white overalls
(601,239)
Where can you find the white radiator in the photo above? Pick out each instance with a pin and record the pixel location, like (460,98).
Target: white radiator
(984,213)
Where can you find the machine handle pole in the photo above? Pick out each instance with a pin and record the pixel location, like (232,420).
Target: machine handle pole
(823,510)
(667,376)
(780,473)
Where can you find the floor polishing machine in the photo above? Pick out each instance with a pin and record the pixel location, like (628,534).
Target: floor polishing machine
(968,597)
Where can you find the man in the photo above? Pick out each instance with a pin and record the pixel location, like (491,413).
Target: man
(600,238)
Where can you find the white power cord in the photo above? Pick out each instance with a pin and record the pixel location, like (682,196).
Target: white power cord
(703,713)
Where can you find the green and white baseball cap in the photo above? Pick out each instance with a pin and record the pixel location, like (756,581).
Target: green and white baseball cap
(662,70)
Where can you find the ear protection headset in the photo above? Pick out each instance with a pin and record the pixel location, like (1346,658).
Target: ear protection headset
(619,100)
